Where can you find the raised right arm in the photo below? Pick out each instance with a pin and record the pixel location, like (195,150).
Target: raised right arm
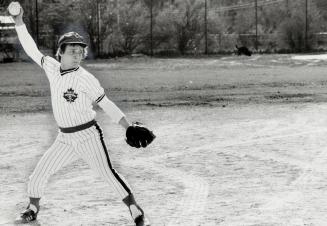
(26,40)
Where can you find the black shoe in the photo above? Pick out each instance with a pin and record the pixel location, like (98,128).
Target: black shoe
(27,216)
(142,221)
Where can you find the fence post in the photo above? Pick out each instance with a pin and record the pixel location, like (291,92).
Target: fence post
(151,28)
(37,21)
(256,24)
(306,26)
(98,26)
(205,27)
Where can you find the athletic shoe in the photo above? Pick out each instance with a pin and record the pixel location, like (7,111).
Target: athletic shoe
(142,221)
(28,215)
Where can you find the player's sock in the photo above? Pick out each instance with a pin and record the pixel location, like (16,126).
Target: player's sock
(35,202)
(135,211)
(33,207)
(134,208)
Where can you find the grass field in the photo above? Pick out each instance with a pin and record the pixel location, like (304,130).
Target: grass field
(240,142)
(178,82)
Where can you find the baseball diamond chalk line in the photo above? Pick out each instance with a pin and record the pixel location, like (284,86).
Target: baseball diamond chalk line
(196,190)
(193,203)
(300,184)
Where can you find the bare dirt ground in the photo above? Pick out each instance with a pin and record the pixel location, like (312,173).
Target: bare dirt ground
(240,142)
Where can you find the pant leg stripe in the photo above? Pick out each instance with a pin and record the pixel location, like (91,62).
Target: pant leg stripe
(109,163)
(104,170)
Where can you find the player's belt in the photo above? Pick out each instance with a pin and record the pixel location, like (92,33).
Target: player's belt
(78,128)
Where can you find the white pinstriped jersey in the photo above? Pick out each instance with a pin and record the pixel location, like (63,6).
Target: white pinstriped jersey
(72,93)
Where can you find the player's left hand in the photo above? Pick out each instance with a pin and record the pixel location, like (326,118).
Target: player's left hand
(137,135)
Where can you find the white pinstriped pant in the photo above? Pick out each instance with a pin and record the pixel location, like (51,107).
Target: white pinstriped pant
(87,144)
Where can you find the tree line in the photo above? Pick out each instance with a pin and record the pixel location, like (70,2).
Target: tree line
(170,27)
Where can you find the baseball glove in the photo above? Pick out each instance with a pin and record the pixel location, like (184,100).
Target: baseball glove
(137,135)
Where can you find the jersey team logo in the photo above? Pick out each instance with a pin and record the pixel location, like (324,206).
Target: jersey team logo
(70,95)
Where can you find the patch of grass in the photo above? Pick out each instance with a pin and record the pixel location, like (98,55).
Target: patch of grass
(156,82)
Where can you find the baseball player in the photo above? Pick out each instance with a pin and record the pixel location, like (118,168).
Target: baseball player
(73,90)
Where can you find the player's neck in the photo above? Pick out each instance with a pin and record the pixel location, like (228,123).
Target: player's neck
(67,67)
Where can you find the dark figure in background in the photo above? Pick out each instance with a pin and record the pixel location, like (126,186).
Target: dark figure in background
(243,50)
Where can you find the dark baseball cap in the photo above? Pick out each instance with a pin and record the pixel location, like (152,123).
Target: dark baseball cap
(71,38)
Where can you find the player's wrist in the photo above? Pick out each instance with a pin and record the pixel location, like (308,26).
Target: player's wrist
(124,122)
(18,21)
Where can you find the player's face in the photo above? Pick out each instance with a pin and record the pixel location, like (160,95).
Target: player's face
(72,56)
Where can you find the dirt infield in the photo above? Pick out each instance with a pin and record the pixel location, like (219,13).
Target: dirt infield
(240,141)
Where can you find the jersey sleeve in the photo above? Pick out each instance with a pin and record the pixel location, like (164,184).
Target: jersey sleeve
(93,88)
(50,66)
(111,109)
(28,44)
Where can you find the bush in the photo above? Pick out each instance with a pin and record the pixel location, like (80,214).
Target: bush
(292,29)
(129,33)
(182,21)
(291,34)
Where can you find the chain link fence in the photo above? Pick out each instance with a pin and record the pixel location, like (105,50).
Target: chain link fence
(180,27)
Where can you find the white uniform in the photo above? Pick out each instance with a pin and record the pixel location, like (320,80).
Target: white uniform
(72,94)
